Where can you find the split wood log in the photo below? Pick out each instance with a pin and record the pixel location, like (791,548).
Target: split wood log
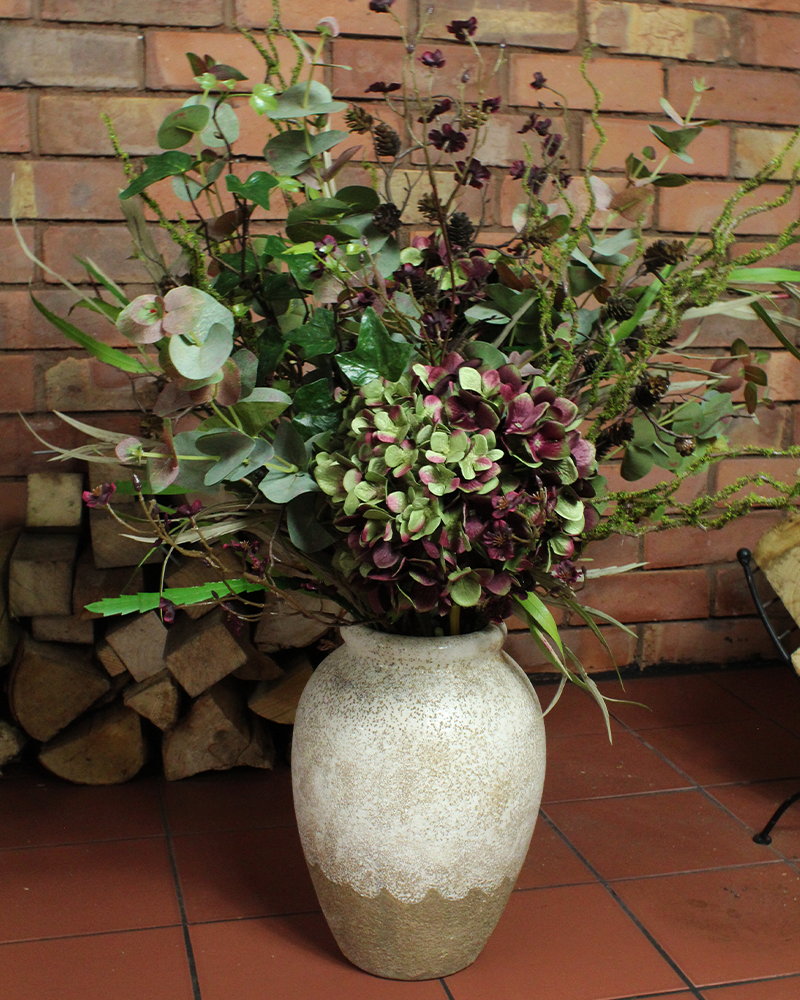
(106,747)
(51,685)
(156,699)
(196,572)
(106,655)
(12,741)
(40,575)
(259,666)
(284,626)
(111,546)
(277,700)
(139,641)
(778,556)
(215,735)
(201,652)
(9,629)
(260,750)
(93,584)
(63,628)
(55,500)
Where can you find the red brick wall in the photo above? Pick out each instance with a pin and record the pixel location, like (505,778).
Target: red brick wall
(62,62)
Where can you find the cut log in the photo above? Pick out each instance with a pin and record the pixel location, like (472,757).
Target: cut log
(111,547)
(259,666)
(139,640)
(62,628)
(283,626)
(9,629)
(54,500)
(778,556)
(40,576)
(106,655)
(212,737)
(156,699)
(260,751)
(52,684)
(105,747)
(196,572)
(12,741)
(277,700)
(92,584)
(200,653)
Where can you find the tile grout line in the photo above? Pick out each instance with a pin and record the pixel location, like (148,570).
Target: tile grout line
(446,989)
(187,940)
(627,910)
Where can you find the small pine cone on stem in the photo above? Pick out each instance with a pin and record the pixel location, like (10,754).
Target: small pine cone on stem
(386,140)
(358,120)
(460,230)
(386,217)
(429,207)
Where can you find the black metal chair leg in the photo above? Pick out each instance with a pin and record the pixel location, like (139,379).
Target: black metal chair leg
(764,836)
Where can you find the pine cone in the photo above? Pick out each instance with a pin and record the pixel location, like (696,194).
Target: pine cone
(386,217)
(612,437)
(358,120)
(649,391)
(661,253)
(685,444)
(460,230)
(620,307)
(386,140)
(591,363)
(429,207)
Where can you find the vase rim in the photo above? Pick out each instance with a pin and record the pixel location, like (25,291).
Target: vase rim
(370,640)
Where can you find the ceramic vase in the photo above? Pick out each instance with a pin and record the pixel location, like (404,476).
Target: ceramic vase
(417,770)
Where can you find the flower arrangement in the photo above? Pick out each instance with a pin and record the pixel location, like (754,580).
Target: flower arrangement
(410,423)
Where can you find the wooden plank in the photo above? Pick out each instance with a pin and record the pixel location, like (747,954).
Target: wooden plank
(40,575)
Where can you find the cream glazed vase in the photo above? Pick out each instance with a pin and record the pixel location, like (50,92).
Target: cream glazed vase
(417,769)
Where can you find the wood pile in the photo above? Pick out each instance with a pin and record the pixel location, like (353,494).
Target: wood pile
(96,697)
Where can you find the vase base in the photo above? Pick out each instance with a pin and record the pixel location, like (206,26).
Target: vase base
(409,941)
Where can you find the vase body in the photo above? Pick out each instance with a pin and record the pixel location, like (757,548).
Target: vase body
(417,771)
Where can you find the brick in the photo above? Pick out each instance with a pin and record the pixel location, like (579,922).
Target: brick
(352,18)
(769,41)
(65,57)
(650,595)
(17,386)
(783,376)
(782,469)
(695,547)
(696,207)
(618,550)
(40,577)
(732,595)
(545,24)
(742,95)
(72,126)
(63,189)
(649,30)
(194,12)
(13,498)
(88,384)
(690,489)
(17,267)
(167,68)
(721,331)
(790,6)
(753,148)
(201,652)
(54,500)
(109,246)
(16,8)
(139,641)
(718,640)
(710,151)
(612,77)
(771,429)
(583,643)
(23,327)
(15,133)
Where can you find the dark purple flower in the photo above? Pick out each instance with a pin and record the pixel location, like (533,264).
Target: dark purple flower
(99,496)
(539,80)
(379,87)
(381,6)
(568,573)
(189,509)
(475,174)
(448,139)
(438,109)
(167,609)
(564,178)
(498,537)
(542,127)
(436,322)
(326,245)
(552,144)
(532,123)
(490,105)
(536,179)
(433,59)
(461,29)
(517,169)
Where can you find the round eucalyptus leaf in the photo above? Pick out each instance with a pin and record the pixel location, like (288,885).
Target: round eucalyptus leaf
(186,188)
(178,128)
(223,124)
(191,312)
(197,361)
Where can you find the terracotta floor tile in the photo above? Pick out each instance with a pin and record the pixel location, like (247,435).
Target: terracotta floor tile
(243,798)
(288,958)
(774,691)
(243,873)
(588,766)
(655,834)
(133,965)
(673,701)
(771,989)
(723,926)
(569,943)
(756,802)
(85,889)
(38,809)
(575,713)
(550,861)
(719,753)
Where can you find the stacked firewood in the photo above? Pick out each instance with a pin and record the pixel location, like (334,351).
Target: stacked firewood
(98,696)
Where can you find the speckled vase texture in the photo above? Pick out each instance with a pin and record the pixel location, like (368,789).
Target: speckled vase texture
(417,769)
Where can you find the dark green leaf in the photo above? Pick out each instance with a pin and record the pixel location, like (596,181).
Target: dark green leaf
(290,446)
(317,336)
(304,99)
(376,354)
(305,531)
(305,232)
(636,463)
(171,164)
(359,198)
(671,181)
(317,410)
(678,140)
(302,267)
(754,374)
(774,329)
(178,128)
(257,188)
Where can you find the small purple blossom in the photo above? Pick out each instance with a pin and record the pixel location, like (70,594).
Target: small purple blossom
(539,80)
(433,59)
(516,170)
(438,109)
(448,139)
(461,29)
(552,144)
(167,609)
(381,6)
(189,509)
(491,105)
(474,174)
(99,496)
(379,87)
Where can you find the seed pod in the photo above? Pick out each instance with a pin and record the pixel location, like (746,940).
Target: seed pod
(386,217)
(429,207)
(386,140)
(460,229)
(649,391)
(358,120)
(685,444)
(663,252)
(620,307)
(613,437)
